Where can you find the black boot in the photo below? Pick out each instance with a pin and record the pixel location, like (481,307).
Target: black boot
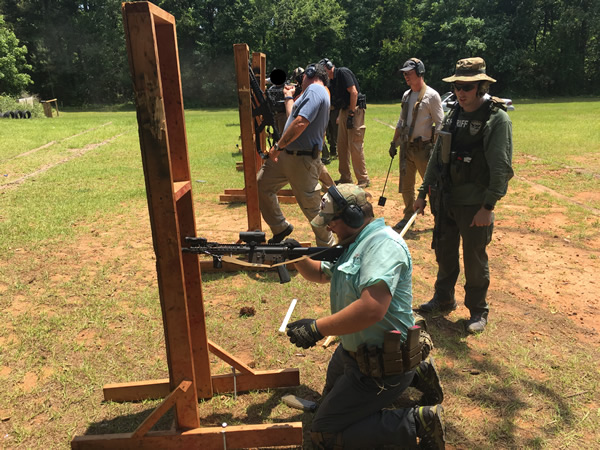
(281,235)
(476,324)
(436,305)
(430,427)
(427,380)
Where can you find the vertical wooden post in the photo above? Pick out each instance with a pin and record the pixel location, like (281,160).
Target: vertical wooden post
(163,146)
(154,63)
(251,160)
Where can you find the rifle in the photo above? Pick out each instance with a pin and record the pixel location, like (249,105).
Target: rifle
(263,108)
(439,195)
(259,252)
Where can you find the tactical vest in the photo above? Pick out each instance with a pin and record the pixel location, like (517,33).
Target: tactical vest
(467,158)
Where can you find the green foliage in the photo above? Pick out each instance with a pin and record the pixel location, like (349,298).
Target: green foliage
(10,104)
(13,65)
(532,47)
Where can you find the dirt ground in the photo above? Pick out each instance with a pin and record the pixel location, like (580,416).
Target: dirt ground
(533,261)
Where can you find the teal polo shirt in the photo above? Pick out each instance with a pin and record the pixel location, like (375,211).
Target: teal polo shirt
(377,254)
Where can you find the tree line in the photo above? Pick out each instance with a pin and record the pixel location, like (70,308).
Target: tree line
(74,50)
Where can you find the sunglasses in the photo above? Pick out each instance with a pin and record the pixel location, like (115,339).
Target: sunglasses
(463,87)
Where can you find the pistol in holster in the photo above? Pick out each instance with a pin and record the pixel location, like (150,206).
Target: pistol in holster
(315,151)
(361,101)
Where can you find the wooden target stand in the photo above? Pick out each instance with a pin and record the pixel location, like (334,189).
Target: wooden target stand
(251,161)
(154,63)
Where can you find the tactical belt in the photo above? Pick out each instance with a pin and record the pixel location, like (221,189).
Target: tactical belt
(314,153)
(418,142)
(395,358)
(299,152)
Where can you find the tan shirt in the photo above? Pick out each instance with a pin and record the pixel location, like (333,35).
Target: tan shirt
(430,112)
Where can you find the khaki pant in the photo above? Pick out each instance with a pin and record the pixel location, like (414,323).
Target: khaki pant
(350,146)
(302,173)
(417,157)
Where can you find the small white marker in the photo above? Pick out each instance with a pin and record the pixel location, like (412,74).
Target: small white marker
(287,316)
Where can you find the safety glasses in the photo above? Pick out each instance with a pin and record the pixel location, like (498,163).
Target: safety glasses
(463,87)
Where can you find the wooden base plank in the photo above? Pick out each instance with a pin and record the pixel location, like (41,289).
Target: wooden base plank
(241,436)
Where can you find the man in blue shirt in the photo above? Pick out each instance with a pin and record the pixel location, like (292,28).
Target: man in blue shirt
(295,158)
(371,295)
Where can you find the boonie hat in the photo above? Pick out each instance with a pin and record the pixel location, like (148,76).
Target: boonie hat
(469,69)
(353,194)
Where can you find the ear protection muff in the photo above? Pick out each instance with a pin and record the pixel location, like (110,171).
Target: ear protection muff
(328,64)
(351,214)
(310,71)
(419,66)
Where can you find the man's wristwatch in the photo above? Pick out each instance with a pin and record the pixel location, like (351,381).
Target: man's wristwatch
(488,207)
(276,146)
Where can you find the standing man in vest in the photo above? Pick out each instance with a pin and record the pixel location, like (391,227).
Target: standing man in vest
(466,175)
(351,103)
(296,157)
(421,115)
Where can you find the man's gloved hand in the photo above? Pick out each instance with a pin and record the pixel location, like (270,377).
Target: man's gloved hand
(291,243)
(393,151)
(350,121)
(304,333)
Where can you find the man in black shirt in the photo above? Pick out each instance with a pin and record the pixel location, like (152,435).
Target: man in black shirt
(347,98)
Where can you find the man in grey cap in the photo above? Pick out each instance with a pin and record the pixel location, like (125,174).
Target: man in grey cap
(467,174)
(421,115)
(295,158)
(371,299)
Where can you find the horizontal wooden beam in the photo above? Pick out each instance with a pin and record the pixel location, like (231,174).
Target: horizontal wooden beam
(155,389)
(239,436)
(239,196)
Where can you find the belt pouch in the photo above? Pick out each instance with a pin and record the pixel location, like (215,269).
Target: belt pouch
(392,353)
(362,359)
(411,354)
(374,363)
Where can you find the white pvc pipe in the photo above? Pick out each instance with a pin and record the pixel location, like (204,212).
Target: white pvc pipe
(287,316)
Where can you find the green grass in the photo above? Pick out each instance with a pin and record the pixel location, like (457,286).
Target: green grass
(79,301)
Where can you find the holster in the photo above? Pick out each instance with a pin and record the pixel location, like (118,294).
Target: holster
(315,151)
(361,101)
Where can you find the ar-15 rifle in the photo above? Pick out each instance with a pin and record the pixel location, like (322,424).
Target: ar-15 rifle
(263,108)
(259,252)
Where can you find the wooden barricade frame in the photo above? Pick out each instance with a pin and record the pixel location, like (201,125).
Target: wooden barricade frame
(154,63)
(251,161)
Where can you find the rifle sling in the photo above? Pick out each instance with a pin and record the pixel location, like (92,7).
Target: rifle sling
(239,262)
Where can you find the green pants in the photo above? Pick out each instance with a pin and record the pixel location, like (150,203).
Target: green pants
(456,225)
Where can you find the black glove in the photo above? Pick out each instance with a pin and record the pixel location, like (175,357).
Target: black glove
(291,243)
(304,333)
(393,151)
(350,122)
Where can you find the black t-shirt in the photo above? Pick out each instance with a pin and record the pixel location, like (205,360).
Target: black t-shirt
(343,78)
